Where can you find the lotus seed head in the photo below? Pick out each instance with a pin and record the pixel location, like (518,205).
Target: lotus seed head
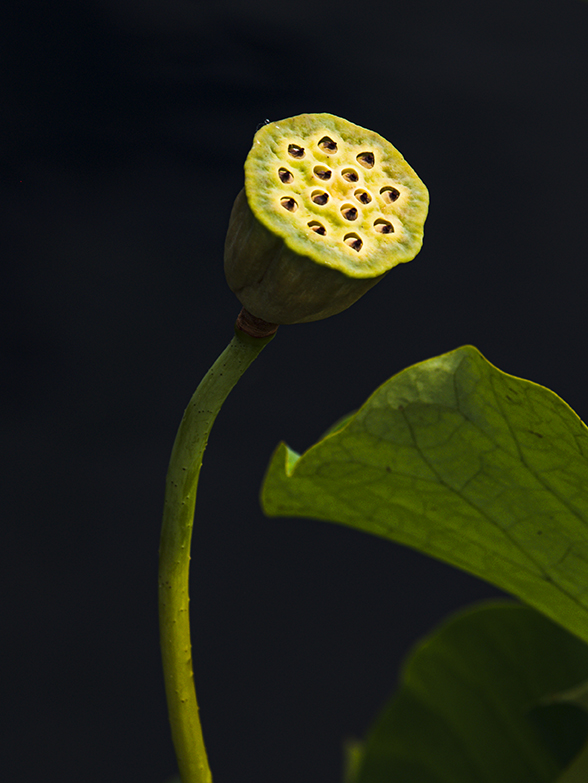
(327,210)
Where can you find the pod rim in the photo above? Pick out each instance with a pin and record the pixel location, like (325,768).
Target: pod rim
(378,253)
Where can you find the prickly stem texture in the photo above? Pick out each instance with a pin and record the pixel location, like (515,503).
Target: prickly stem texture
(174,553)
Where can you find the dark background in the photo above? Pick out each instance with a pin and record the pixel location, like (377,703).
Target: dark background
(125,125)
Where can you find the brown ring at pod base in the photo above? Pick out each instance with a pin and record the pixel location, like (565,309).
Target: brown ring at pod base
(254,326)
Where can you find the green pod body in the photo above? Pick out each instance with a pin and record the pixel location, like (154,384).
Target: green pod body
(278,284)
(327,210)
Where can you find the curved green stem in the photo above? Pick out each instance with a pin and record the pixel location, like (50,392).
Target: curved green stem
(174,553)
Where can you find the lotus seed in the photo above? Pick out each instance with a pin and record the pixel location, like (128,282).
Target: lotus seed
(319,197)
(366,159)
(285,175)
(384,227)
(349,175)
(390,194)
(317,227)
(322,173)
(363,196)
(328,145)
(289,204)
(349,212)
(295,151)
(353,241)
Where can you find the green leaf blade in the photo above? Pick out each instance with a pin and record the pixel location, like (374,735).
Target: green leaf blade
(467,703)
(465,463)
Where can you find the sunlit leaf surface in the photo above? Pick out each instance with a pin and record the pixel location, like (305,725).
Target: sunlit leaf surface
(465,463)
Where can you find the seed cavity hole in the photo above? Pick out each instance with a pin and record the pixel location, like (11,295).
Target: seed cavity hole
(328,145)
(389,194)
(350,175)
(349,212)
(322,172)
(295,151)
(319,197)
(363,196)
(285,176)
(353,241)
(317,227)
(384,227)
(289,203)
(366,159)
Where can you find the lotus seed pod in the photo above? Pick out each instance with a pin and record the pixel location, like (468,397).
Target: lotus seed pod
(327,210)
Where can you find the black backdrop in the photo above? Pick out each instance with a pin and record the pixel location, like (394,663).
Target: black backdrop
(125,126)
